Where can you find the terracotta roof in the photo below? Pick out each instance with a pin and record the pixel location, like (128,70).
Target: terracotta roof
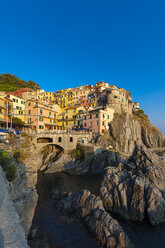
(19,92)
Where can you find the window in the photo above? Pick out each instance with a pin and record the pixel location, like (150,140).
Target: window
(50,121)
(103,115)
(29,120)
(66,117)
(97,115)
(66,111)
(90,117)
(17,107)
(22,102)
(85,124)
(0,110)
(54,115)
(29,112)
(66,123)
(41,119)
(115,97)
(74,111)
(29,103)
(49,113)
(107,116)
(59,139)
(40,111)
(85,117)
(103,123)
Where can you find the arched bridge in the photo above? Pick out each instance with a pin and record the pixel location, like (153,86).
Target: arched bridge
(68,141)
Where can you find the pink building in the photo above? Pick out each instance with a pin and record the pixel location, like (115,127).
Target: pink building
(98,120)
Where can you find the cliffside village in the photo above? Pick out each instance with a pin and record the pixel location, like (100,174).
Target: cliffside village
(88,108)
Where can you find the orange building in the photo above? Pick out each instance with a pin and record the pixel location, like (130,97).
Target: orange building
(40,116)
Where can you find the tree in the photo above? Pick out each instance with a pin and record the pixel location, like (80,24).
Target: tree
(17,121)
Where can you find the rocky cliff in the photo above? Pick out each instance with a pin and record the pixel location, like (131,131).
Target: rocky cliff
(135,189)
(11,232)
(128,130)
(26,159)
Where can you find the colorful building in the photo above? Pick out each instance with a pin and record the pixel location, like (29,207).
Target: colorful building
(18,107)
(64,97)
(70,116)
(46,96)
(98,120)
(5,112)
(40,116)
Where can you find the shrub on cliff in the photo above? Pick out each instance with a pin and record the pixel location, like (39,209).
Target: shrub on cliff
(19,155)
(10,170)
(4,158)
(78,154)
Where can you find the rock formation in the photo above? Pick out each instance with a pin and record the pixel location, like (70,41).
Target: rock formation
(128,130)
(96,162)
(11,232)
(89,210)
(136,189)
(22,189)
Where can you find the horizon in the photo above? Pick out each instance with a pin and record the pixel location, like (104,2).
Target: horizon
(68,44)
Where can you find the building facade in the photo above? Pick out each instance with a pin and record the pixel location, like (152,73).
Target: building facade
(5,112)
(18,107)
(97,121)
(40,116)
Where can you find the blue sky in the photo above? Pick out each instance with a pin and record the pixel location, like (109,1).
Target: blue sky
(66,43)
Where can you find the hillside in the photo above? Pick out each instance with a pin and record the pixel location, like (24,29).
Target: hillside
(10,83)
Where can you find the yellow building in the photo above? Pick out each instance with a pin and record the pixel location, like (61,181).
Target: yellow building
(46,96)
(70,116)
(5,112)
(64,98)
(18,107)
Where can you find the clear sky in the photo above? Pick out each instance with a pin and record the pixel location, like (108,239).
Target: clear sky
(66,43)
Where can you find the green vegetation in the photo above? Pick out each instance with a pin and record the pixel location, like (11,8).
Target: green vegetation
(10,170)
(4,158)
(139,113)
(19,155)
(10,83)
(17,121)
(78,154)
